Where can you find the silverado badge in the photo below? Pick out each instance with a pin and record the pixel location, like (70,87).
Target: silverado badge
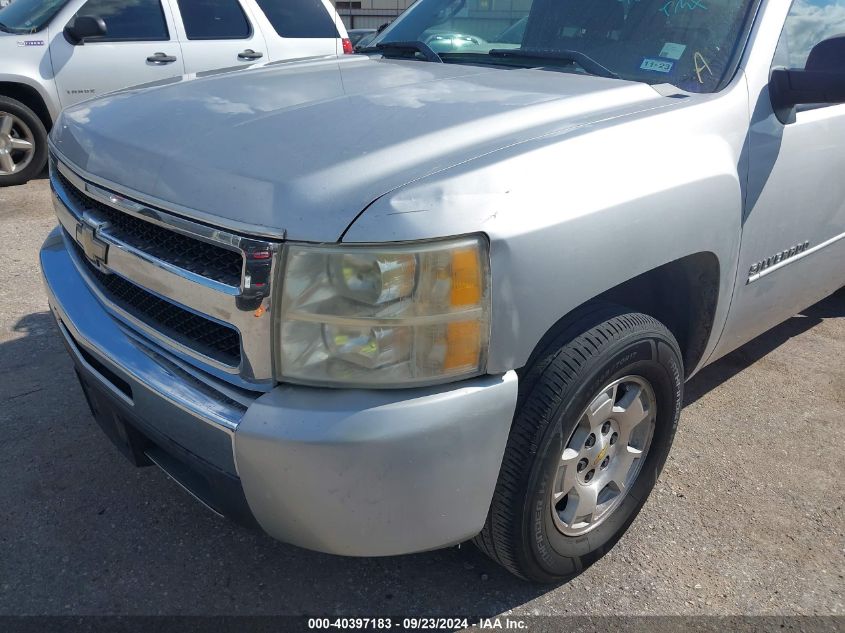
(777,258)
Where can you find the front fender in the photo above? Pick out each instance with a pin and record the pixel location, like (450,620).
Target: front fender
(574,215)
(34,73)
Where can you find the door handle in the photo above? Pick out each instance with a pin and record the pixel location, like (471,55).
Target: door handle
(250,54)
(161,58)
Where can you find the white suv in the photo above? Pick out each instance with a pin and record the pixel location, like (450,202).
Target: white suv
(58,52)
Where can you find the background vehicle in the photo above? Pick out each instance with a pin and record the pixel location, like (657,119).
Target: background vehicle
(480,327)
(58,52)
(364,42)
(355,35)
(444,41)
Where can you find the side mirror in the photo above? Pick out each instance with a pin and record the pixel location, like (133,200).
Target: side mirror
(821,81)
(83,27)
(382,27)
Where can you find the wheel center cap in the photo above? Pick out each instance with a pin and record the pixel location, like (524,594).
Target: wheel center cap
(5,142)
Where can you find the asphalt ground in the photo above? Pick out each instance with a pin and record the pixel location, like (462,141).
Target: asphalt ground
(747,518)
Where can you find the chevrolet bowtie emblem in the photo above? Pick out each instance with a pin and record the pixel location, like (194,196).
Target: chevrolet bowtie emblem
(94,248)
(600,456)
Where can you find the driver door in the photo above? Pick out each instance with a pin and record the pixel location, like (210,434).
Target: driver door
(137,31)
(793,241)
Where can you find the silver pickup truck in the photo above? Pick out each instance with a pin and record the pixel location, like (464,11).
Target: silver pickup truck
(478,325)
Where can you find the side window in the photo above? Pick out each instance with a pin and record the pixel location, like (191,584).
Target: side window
(299,18)
(809,22)
(214,20)
(128,20)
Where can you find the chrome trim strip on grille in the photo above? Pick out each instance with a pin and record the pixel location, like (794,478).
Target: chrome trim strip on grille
(195,230)
(138,324)
(246,308)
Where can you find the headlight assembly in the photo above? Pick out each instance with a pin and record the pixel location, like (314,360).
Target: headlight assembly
(384,316)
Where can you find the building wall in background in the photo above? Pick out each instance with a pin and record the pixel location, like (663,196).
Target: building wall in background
(368,14)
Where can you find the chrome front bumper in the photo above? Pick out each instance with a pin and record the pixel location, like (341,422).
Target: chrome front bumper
(352,472)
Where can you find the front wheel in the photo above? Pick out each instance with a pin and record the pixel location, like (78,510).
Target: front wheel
(596,416)
(23,143)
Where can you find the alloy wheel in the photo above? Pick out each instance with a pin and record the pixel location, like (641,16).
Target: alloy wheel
(17,144)
(604,455)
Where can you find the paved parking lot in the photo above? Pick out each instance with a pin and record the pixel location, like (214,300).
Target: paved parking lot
(746,519)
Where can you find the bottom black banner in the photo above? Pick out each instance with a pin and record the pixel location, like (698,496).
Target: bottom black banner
(273,624)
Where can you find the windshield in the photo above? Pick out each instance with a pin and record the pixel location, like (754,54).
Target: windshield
(29,16)
(688,43)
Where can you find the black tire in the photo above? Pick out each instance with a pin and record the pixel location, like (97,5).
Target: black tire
(604,344)
(39,133)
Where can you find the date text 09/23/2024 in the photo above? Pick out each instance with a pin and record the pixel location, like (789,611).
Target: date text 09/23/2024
(420,623)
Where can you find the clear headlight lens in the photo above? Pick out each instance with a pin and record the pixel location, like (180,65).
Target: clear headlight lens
(384,316)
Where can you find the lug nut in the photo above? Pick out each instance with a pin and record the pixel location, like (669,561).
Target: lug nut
(605,428)
(614,438)
(582,464)
(591,441)
(589,476)
(605,462)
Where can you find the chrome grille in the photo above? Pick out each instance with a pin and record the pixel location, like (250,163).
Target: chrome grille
(196,256)
(199,291)
(207,337)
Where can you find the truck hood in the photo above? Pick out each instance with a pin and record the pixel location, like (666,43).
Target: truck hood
(298,150)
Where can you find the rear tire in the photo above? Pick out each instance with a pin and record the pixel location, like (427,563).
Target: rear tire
(534,528)
(17,163)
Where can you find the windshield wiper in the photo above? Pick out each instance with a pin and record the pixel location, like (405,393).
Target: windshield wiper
(582,59)
(410,47)
(5,28)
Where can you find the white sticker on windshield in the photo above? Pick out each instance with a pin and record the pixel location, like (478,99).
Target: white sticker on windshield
(657,65)
(672,50)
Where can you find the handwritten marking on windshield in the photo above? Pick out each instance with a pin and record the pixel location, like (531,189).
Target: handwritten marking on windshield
(676,6)
(701,65)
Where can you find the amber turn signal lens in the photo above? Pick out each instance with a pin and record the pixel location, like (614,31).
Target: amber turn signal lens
(466,278)
(464,345)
